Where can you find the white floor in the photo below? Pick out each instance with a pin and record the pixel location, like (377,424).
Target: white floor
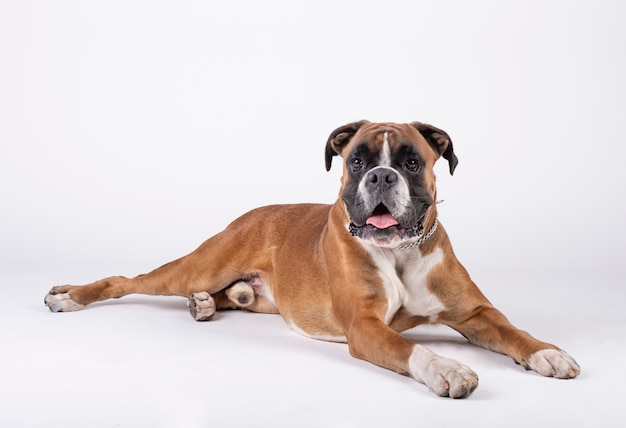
(142,361)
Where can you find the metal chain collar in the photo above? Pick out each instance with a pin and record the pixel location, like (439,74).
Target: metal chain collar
(421,240)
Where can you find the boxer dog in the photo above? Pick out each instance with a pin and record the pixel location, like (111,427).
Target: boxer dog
(362,270)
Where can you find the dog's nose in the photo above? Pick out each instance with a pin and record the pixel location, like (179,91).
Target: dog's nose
(382,177)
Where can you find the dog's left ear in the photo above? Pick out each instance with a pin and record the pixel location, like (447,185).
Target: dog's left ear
(339,139)
(440,141)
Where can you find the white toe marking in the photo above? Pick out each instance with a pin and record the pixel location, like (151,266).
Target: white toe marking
(554,363)
(444,376)
(241,294)
(201,306)
(62,303)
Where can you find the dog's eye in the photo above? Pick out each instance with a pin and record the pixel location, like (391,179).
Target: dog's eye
(356,164)
(412,165)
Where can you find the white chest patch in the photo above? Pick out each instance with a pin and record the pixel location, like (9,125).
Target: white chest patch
(405,282)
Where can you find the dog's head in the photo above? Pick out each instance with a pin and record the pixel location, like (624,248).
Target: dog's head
(388,183)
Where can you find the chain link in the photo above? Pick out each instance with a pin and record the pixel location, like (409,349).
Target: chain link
(421,240)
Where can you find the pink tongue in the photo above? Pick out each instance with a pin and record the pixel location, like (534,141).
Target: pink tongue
(382,221)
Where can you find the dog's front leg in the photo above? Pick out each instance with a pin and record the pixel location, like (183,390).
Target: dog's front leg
(487,327)
(370,339)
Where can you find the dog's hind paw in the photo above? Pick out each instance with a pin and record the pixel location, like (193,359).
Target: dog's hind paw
(201,306)
(241,294)
(554,363)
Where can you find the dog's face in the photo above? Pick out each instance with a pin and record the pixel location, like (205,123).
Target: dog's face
(388,182)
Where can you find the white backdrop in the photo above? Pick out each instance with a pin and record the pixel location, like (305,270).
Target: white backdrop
(130,131)
(133,130)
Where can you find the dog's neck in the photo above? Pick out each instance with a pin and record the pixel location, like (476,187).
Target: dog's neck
(423,238)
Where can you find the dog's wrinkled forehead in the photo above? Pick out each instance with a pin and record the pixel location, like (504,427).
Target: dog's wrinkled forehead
(388,138)
(382,143)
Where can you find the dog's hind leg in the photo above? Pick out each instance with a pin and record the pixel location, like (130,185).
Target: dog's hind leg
(200,271)
(200,276)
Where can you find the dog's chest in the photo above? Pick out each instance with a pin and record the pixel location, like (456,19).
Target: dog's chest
(405,281)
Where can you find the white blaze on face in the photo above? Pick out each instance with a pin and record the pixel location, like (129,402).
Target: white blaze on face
(385,156)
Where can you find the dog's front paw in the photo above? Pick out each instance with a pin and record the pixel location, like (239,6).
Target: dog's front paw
(201,306)
(554,363)
(59,300)
(445,377)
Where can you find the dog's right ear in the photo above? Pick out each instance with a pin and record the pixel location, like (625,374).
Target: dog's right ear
(339,139)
